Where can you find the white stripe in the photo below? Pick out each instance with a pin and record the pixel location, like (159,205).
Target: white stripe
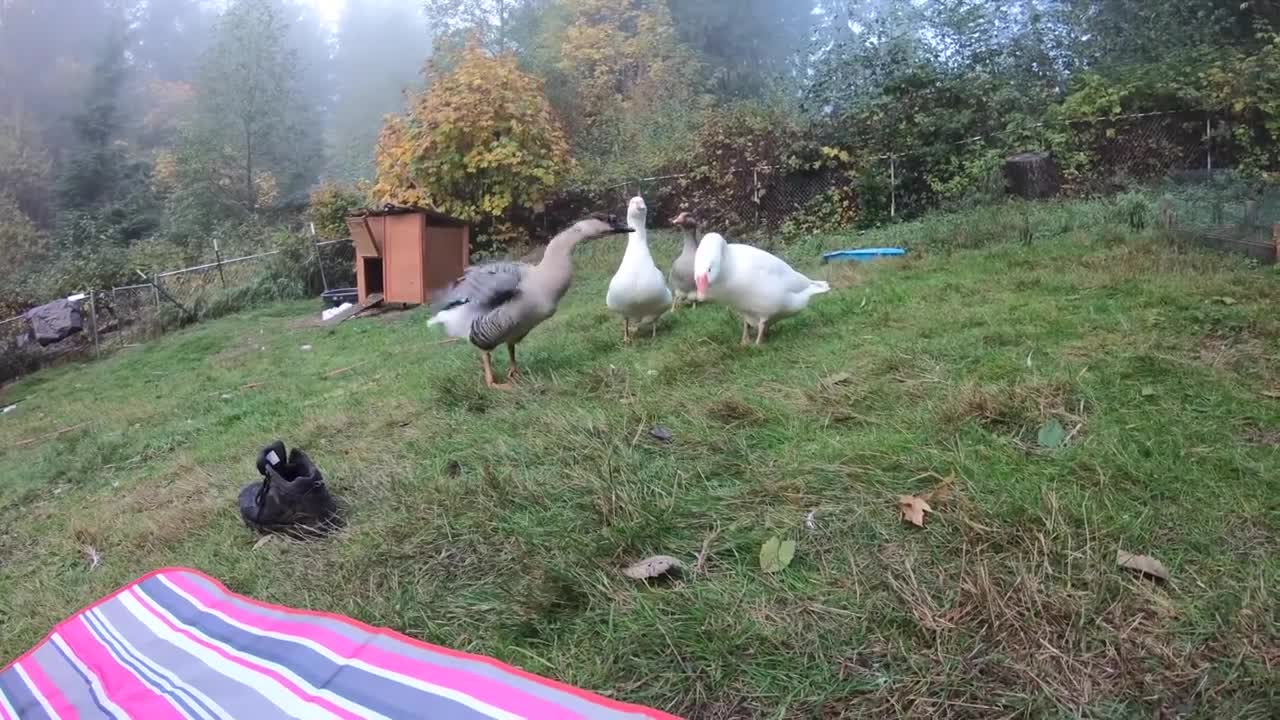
(111,635)
(275,693)
(145,680)
(416,683)
(95,683)
(35,691)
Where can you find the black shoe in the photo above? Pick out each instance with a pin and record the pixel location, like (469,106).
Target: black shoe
(292,496)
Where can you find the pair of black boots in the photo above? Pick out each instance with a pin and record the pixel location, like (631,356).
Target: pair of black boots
(292,497)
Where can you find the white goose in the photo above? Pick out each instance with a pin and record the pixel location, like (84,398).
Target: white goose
(758,286)
(638,291)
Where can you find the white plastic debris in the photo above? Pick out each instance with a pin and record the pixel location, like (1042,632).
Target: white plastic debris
(333,312)
(305,348)
(8,409)
(77,297)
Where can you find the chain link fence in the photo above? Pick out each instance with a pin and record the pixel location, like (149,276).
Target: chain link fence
(1182,152)
(130,315)
(1081,158)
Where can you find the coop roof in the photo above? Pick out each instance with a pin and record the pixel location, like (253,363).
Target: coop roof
(436,218)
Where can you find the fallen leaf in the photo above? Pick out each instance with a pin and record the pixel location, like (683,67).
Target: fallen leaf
(653,567)
(1052,434)
(1226,300)
(263,541)
(1144,564)
(913,509)
(1148,391)
(1273,394)
(811,520)
(837,379)
(776,554)
(661,434)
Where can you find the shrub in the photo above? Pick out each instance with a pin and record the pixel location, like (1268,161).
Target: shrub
(331,205)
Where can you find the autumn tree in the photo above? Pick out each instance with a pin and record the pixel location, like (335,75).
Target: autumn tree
(481,144)
(635,87)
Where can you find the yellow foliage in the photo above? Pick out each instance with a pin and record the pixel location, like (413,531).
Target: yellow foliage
(480,143)
(266,188)
(165,175)
(624,54)
(330,206)
(167,103)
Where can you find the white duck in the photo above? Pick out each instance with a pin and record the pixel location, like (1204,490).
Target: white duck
(758,286)
(638,291)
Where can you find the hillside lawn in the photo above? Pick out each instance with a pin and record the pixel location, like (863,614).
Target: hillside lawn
(497,523)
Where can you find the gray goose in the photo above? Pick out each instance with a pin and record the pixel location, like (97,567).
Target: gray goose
(501,302)
(682,284)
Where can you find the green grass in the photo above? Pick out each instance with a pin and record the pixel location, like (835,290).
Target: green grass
(497,522)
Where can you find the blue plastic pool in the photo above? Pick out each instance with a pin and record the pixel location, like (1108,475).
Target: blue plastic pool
(862,254)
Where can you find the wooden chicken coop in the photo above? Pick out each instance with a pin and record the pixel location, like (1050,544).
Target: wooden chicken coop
(405,254)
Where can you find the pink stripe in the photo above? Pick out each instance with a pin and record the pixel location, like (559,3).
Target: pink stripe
(492,691)
(261,670)
(42,685)
(119,683)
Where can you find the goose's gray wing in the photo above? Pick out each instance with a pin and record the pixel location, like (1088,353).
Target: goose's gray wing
(484,287)
(500,325)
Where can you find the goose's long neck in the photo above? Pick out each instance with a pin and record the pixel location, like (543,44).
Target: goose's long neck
(638,242)
(556,267)
(691,240)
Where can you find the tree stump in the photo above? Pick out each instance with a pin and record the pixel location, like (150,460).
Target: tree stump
(1032,175)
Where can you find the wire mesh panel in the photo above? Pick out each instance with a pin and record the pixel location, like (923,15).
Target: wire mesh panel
(1106,152)
(136,313)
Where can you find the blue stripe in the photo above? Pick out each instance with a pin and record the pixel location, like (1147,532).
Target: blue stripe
(24,701)
(75,666)
(109,635)
(98,627)
(378,693)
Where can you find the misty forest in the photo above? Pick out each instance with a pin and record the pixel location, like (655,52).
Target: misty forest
(134,132)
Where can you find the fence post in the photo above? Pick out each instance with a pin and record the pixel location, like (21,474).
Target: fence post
(315,245)
(93,321)
(755,192)
(1208,143)
(217,255)
(157,326)
(893,187)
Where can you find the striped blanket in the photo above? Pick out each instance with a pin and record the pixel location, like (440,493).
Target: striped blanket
(177,644)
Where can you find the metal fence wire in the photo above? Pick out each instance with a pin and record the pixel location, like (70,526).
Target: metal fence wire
(130,315)
(1091,157)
